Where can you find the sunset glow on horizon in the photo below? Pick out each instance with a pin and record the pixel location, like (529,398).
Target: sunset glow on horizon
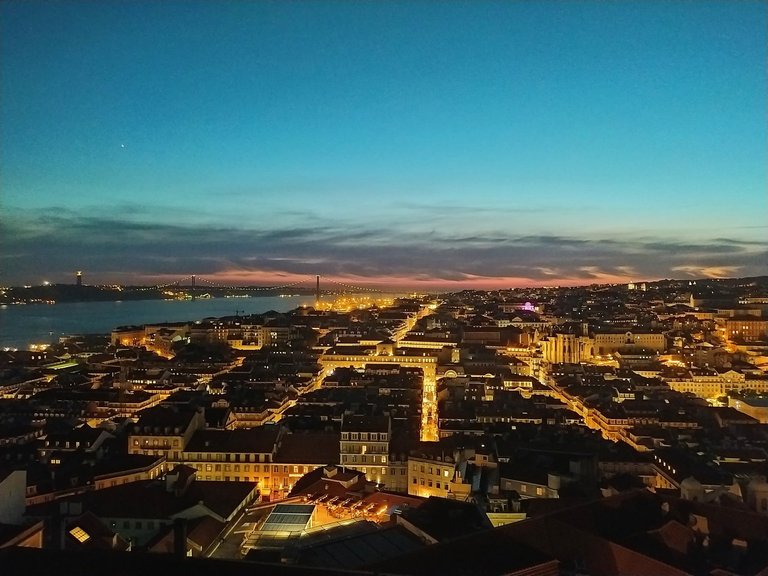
(339,283)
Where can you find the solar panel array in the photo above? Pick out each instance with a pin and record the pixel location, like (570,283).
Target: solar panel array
(288,518)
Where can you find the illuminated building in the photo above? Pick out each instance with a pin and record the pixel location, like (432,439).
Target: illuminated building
(431,469)
(608,343)
(746,329)
(364,445)
(566,349)
(264,455)
(388,353)
(711,383)
(164,432)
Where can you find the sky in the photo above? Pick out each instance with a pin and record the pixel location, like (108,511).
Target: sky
(436,145)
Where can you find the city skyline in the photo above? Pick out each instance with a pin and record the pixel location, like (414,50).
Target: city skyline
(420,145)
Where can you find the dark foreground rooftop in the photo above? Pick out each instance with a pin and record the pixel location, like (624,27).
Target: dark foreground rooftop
(29,561)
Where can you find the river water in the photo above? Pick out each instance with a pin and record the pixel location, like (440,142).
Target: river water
(22,325)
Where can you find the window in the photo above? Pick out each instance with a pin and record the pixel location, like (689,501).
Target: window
(414,481)
(374,436)
(80,534)
(354,435)
(344,436)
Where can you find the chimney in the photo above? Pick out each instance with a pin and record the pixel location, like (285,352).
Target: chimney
(171,479)
(330,471)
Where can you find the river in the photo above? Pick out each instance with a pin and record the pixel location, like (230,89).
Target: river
(22,325)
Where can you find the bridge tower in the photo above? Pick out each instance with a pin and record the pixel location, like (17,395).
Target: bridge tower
(193,287)
(317,292)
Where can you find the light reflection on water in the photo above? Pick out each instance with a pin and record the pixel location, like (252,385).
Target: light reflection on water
(21,325)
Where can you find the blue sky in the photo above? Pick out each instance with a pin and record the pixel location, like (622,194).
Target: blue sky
(414,143)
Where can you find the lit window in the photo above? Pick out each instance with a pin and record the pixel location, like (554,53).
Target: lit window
(80,534)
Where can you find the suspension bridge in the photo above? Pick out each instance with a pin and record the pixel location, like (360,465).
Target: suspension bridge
(193,283)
